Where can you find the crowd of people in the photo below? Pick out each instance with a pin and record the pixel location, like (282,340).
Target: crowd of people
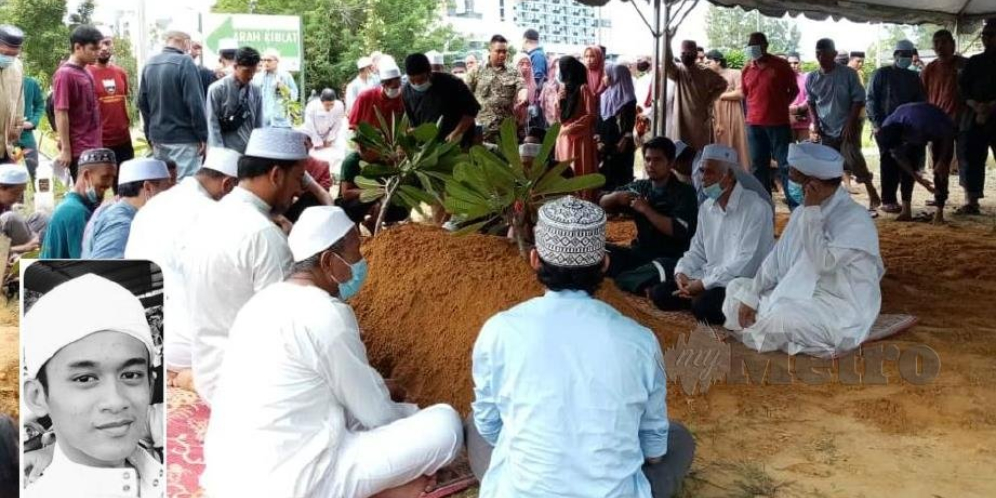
(237,208)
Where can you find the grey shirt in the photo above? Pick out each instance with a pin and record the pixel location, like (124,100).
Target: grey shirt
(223,100)
(833,95)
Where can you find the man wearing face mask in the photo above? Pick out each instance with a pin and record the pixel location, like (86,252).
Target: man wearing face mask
(11,90)
(237,249)
(770,87)
(735,233)
(889,88)
(349,438)
(64,236)
(138,181)
(429,96)
(385,98)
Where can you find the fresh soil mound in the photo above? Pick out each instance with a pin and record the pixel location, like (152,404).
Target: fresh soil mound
(428,295)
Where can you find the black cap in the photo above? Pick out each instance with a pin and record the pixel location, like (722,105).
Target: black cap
(12,36)
(531,34)
(714,55)
(860,55)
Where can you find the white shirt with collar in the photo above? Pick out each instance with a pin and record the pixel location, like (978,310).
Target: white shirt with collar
(142,478)
(731,242)
(234,252)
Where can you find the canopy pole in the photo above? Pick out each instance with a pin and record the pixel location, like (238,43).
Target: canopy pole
(664,35)
(656,97)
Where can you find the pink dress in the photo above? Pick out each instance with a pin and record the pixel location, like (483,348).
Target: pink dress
(577,139)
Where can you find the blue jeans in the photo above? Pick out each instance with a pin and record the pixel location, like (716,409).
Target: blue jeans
(767,143)
(184,155)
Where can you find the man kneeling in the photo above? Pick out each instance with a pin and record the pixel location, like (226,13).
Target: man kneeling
(569,393)
(735,233)
(297,387)
(818,291)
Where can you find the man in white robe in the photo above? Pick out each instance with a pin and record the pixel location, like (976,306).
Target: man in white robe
(237,249)
(818,292)
(320,417)
(324,122)
(158,233)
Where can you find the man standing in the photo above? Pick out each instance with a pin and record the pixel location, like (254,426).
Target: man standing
(235,105)
(363,81)
(498,88)
(34,109)
(978,88)
(799,110)
(735,232)
(138,181)
(835,100)
(24,234)
(64,236)
(348,438)
(471,62)
(197,53)
(940,82)
(111,83)
(530,44)
(171,100)
(889,88)
(237,249)
(386,98)
(277,87)
(696,91)
(857,63)
(11,94)
(430,97)
(818,292)
(585,432)
(74,97)
(436,61)
(769,86)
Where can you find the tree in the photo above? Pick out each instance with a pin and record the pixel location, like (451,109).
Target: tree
(729,29)
(46,41)
(83,14)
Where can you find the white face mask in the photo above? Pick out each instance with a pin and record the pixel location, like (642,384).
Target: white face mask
(392,93)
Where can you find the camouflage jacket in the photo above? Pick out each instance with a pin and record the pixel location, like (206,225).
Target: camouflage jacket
(496,91)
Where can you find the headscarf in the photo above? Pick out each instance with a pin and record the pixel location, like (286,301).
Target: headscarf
(597,70)
(574,76)
(619,92)
(526,71)
(550,95)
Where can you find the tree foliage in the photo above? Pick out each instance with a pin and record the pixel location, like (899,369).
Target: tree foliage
(83,14)
(729,28)
(46,41)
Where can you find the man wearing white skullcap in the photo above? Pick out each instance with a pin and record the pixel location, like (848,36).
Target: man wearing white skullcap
(236,248)
(64,235)
(385,98)
(24,234)
(273,83)
(159,233)
(365,80)
(90,332)
(818,291)
(735,232)
(348,437)
(436,61)
(585,430)
(139,180)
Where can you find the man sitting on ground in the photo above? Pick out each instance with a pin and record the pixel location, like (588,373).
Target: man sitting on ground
(735,233)
(24,234)
(139,180)
(545,422)
(818,291)
(664,210)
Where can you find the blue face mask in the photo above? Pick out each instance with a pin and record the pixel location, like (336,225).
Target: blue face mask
(91,195)
(6,61)
(351,287)
(753,52)
(714,191)
(795,192)
(421,88)
(904,62)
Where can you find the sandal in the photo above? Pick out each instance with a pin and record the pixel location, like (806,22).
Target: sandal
(891,208)
(968,209)
(873,213)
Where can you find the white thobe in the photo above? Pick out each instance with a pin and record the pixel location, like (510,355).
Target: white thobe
(818,292)
(159,234)
(295,381)
(234,252)
(143,477)
(326,131)
(729,243)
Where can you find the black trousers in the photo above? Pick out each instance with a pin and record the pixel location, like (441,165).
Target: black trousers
(706,307)
(894,177)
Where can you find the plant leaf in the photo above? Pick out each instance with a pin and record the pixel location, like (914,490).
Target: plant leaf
(418,194)
(368,183)
(549,142)
(551,176)
(472,228)
(509,145)
(374,170)
(371,195)
(426,132)
(576,184)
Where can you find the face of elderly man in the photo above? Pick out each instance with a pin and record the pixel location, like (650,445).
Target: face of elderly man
(98,395)
(714,171)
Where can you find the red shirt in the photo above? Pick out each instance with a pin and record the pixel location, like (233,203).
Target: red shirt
(73,92)
(111,83)
(319,170)
(374,98)
(769,91)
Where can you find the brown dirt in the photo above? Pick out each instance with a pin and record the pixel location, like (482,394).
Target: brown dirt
(9,359)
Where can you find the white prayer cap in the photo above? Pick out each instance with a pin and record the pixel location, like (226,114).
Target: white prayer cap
(282,144)
(721,153)
(529,150)
(228,44)
(316,230)
(364,63)
(815,160)
(13,174)
(106,31)
(679,148)
(223,160)
(272,53)
(388,68)
(376,54)
(141,169)
(435,57)
(571,233)
(75,309)
(904,45)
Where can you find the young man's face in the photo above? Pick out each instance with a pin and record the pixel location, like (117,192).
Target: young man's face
(857,63)
(944,47)
(244,74)
(657,164)
(290,184)
(98,397)
(11,194)
(106,50)
(498,54)
(87,54)
(795,64)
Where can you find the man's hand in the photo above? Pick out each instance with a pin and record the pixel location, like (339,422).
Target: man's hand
(694,288)
(201,149)
(816,192)
(747,316)
(681,280)
(28,126)
(283,223)
(927,184)
(640,204)
(65,157)
(850,129)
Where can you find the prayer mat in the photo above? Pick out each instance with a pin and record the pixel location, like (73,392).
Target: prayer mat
(453,478)
(186,426)
(889,325)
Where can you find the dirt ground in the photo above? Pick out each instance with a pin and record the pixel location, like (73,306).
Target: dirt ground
(9,359)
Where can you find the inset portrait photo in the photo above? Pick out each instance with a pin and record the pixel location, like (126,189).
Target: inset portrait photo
(92,421)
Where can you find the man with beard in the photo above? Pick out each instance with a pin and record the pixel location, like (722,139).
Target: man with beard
(111,86)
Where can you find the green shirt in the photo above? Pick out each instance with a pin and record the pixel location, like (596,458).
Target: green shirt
(675,200)
(350,167)
(34,109)
(64,235)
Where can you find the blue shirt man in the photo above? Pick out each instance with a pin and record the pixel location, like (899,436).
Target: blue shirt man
(569,393)
(273,83)
(139,180)
(537,56)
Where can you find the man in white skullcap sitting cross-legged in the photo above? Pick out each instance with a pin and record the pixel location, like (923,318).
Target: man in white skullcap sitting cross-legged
(321,416)
(818,292)
(25,234)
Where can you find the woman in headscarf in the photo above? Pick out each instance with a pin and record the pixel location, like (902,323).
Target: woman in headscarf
(525,68)
(550,95)
(594,61)
(615,128)
(730,127)
(578,116)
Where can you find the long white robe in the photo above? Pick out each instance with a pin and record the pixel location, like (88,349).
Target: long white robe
(818,292)
(327,127)
(159,234)
(142,477)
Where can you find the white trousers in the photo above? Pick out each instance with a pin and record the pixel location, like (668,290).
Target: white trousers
(372,461)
